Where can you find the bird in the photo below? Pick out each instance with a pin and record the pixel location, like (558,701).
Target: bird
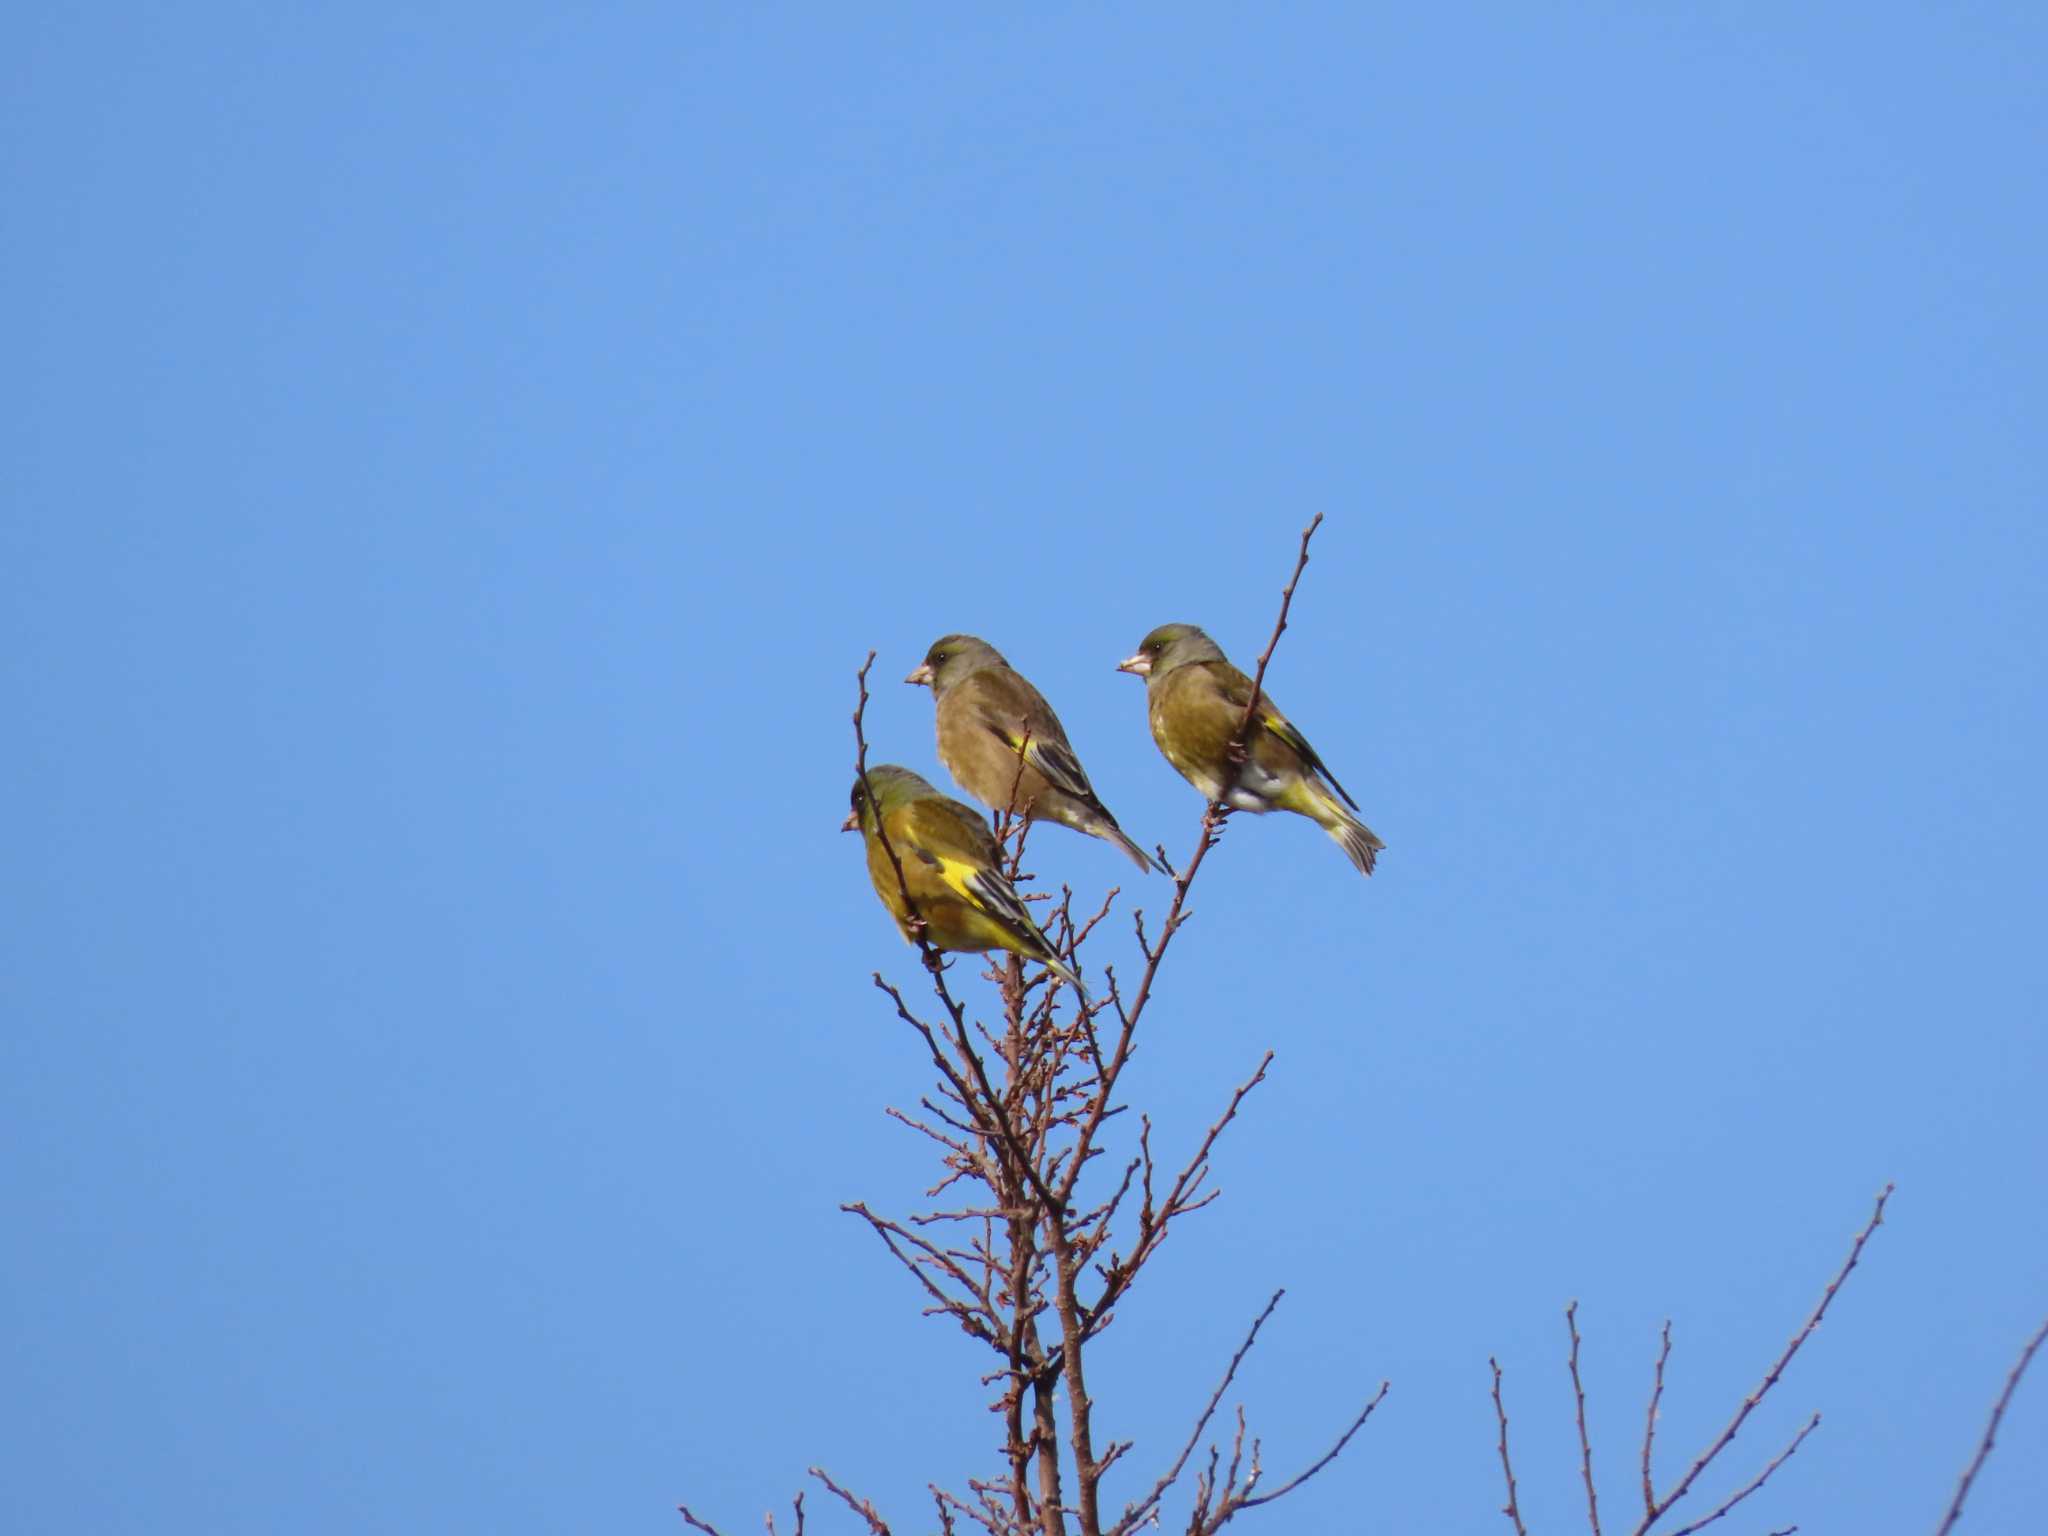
(1003,744)
(1196,700)
(952,868)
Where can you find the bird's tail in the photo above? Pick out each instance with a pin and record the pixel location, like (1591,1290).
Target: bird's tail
(1067,974)
(1144,860)
(1360,844)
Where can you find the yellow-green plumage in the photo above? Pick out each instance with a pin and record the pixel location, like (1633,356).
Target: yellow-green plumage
(952,867)
(1003,744)
(1195,700)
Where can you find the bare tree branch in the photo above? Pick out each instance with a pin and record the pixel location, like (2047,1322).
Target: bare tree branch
(1650,1424)
(1512,1509)
(1571,1322)
(877,1526)
(1760,1479)
(1133,1513)
(1771,1376)
(1326,1458)
(1251,707)
(2012,1381)
(696,1523)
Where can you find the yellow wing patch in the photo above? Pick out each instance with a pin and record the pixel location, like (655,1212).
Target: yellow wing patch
(957,873)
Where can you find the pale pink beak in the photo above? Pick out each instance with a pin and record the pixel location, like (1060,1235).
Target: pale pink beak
(852,823)
(922,677)
(1139,665)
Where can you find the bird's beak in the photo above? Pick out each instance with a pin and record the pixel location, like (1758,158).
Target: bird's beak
(852,822)
(922,677)
(1138,665)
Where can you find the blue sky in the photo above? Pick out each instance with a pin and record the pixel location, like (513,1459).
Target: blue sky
(457,457)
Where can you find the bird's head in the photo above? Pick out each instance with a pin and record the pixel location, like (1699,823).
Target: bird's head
(887,786)
(1167,647)
(951,658)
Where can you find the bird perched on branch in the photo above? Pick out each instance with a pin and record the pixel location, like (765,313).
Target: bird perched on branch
(1196,701)
(952,868)
(1003,744)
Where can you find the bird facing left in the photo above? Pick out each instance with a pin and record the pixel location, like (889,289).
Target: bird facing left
(952,870)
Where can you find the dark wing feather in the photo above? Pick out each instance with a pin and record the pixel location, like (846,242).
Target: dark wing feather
(950,829)
(1062,770)
(1280,726)
(1239,691)
(1001,902)
(1044,744)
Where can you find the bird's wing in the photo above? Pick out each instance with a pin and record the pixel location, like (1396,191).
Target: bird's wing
(947,831)
(988,890)
(1280,726)
(963,853)
(1238,688)
(1062,770)
(1037,733)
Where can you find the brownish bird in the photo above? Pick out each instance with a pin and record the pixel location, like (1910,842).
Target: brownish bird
(1003,744)
(1195,700)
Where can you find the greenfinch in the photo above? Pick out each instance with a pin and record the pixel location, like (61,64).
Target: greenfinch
(1003,744)
(952,867)
(1196,700)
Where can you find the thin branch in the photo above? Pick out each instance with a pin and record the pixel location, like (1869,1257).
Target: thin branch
(1777,1369)
(1512,1509)
(696,1523)
(1327,1457)
(1251,707)
(916,922)
(1136,1512)
(1180,1199)
(1650,1424)
(1571,1322)
(877,1526)
(1761,1478)
(989,1102)
(973,1319)
(2012,1381)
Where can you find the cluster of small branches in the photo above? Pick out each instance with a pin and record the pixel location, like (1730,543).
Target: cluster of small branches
(1656,1506)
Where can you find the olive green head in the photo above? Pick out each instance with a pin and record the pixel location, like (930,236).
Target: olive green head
(1167,647)
(893,786)
(951,658)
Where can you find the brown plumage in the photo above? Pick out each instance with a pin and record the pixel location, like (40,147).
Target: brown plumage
(1003,744)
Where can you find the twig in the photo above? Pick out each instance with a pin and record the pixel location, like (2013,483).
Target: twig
(1179,1200)
(877,1526)
(1251,708)
(1650,1424)
(1734,1499)
(1571,1322)
(1327,1457)
(2012,1381)
(1136,1512)
(1511,1509)
(696,1523)
(1771,1376)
